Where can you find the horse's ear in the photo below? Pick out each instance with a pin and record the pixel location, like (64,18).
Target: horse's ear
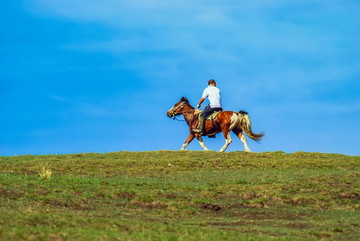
(184,99)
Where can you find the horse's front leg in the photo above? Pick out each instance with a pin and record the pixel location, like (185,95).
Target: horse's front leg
(188,140)
(201,141)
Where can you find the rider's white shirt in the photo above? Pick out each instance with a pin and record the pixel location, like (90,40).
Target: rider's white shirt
(214,96)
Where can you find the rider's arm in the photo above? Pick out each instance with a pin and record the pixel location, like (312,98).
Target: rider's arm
(200,102)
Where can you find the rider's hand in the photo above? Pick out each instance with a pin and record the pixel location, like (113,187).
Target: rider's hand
(198,106)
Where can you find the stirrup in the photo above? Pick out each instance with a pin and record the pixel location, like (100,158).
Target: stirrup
(200,132)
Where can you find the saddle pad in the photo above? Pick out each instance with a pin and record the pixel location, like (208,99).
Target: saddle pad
(210,117)
(213,115)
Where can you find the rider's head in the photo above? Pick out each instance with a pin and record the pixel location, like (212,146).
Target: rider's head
(212,82)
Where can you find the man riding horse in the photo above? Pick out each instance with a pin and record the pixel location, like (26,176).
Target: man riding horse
(225,121)
(213,94)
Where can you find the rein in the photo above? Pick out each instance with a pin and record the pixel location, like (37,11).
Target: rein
(174,118)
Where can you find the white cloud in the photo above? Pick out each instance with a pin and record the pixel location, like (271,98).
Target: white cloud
(277,43)
(260,26)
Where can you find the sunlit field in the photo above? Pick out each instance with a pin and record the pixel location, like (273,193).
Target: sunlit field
(171,195)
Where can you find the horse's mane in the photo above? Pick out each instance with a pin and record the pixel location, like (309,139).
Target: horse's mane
(184,99)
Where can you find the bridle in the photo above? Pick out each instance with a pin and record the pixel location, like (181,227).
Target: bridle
(176,108)
(179,106)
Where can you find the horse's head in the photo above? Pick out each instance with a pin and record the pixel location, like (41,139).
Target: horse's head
(177,109)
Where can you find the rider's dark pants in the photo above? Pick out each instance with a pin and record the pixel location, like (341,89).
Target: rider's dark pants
(208,110)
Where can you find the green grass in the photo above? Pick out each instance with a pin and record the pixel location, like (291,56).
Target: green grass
(168,195)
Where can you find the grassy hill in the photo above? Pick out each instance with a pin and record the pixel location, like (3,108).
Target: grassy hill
(170,195)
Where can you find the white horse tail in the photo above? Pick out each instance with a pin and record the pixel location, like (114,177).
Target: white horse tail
(245,124)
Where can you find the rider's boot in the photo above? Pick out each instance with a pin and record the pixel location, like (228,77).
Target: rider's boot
(200,128)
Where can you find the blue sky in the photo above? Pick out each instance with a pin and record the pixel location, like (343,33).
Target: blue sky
(99,75)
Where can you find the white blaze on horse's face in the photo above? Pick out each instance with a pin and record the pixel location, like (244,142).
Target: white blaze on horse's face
(172,112)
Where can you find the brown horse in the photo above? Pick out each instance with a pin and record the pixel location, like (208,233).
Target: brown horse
(224,122)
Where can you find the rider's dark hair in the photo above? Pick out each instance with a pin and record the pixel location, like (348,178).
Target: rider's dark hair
(211,82)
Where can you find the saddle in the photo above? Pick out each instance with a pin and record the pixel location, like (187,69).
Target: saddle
(210,117)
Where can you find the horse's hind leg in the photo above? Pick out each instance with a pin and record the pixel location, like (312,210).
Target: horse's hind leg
(227,139)
(188,140)
(241,136)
